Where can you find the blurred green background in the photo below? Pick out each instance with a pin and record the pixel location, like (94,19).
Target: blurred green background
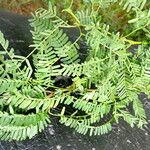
(25,7)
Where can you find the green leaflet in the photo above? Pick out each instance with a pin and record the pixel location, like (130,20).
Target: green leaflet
(103,86)
(20,127)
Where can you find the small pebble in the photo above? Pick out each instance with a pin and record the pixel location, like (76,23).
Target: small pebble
(58,147)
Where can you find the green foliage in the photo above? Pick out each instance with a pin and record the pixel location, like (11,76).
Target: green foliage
(17,96)
(20,127)
(104,85)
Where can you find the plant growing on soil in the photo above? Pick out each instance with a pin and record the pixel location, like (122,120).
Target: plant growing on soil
(105,86)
